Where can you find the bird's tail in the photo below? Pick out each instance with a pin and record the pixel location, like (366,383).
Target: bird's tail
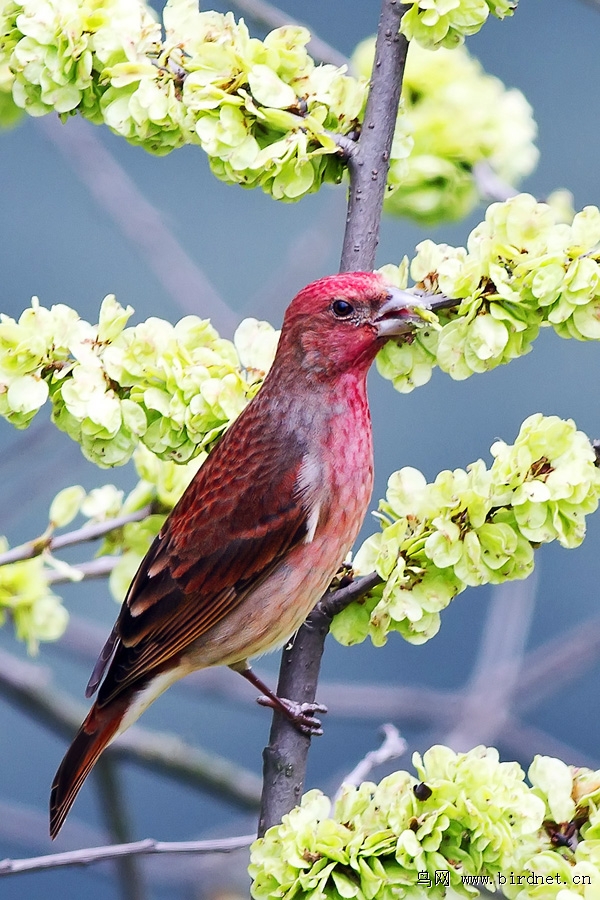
(99,728)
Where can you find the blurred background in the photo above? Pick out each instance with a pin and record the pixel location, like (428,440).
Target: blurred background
(84,214)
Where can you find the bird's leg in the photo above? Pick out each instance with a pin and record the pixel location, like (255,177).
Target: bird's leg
(302,715)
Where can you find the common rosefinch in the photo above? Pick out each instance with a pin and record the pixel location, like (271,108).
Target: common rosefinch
(261,530)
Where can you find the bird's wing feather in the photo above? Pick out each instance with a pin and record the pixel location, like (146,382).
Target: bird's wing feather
(217,545)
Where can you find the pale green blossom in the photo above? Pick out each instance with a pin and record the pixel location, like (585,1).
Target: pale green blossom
(470,527)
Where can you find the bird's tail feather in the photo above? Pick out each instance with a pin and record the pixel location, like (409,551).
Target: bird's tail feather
(99,728)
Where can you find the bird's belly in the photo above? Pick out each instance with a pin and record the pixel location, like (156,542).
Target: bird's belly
(263,621)
(271,613)
(275,610)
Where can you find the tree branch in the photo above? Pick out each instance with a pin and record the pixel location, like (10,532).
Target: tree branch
(558,661)
(117,851)
(286,755)
(392,746)
(90,532)
(92,568)
(489,184)
(524,741)
(369,166)
(496,678)
(333,602)
(417,705)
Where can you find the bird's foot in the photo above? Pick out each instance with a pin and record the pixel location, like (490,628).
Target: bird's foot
(302,715)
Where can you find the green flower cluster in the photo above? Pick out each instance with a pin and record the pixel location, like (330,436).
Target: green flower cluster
(465,814)
(262,110)
(26,598)
(27,601)
(446,23)
(564,859)
(522,269)
(175,388)
(453,116)
(25,595)
(58,50)
(471,527)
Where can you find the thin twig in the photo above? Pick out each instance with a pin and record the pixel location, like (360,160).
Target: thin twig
(335,601)
(392,747)
(92,568)
(90,532)
(148,846)
(312,246)
(348,146)
(270,16)
(286,755)
(489,184)
(524,741)
(558,662)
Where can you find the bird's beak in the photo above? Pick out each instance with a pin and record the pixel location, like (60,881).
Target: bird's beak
(401,312)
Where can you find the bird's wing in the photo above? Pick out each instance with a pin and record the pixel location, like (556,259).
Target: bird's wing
(247,507)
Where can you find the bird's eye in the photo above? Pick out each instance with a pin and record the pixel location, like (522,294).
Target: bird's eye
(342,309)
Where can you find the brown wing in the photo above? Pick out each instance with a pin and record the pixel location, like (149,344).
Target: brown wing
(241,514)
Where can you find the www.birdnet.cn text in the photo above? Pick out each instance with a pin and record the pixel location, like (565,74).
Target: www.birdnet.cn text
(441,877)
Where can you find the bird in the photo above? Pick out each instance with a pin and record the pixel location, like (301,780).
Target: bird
(261,530)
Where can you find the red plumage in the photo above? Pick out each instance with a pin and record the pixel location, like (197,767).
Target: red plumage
(261,530)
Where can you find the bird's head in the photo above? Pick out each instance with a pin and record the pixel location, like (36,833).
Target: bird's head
(339,323)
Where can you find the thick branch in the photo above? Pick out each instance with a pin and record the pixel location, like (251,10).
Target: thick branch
(117,851)
(285,757)
(369,165)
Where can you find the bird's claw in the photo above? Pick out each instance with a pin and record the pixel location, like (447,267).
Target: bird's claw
(302,715)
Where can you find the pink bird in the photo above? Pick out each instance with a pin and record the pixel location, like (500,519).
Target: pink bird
(262,529)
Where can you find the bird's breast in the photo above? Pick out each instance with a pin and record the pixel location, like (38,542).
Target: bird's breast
(336,481)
